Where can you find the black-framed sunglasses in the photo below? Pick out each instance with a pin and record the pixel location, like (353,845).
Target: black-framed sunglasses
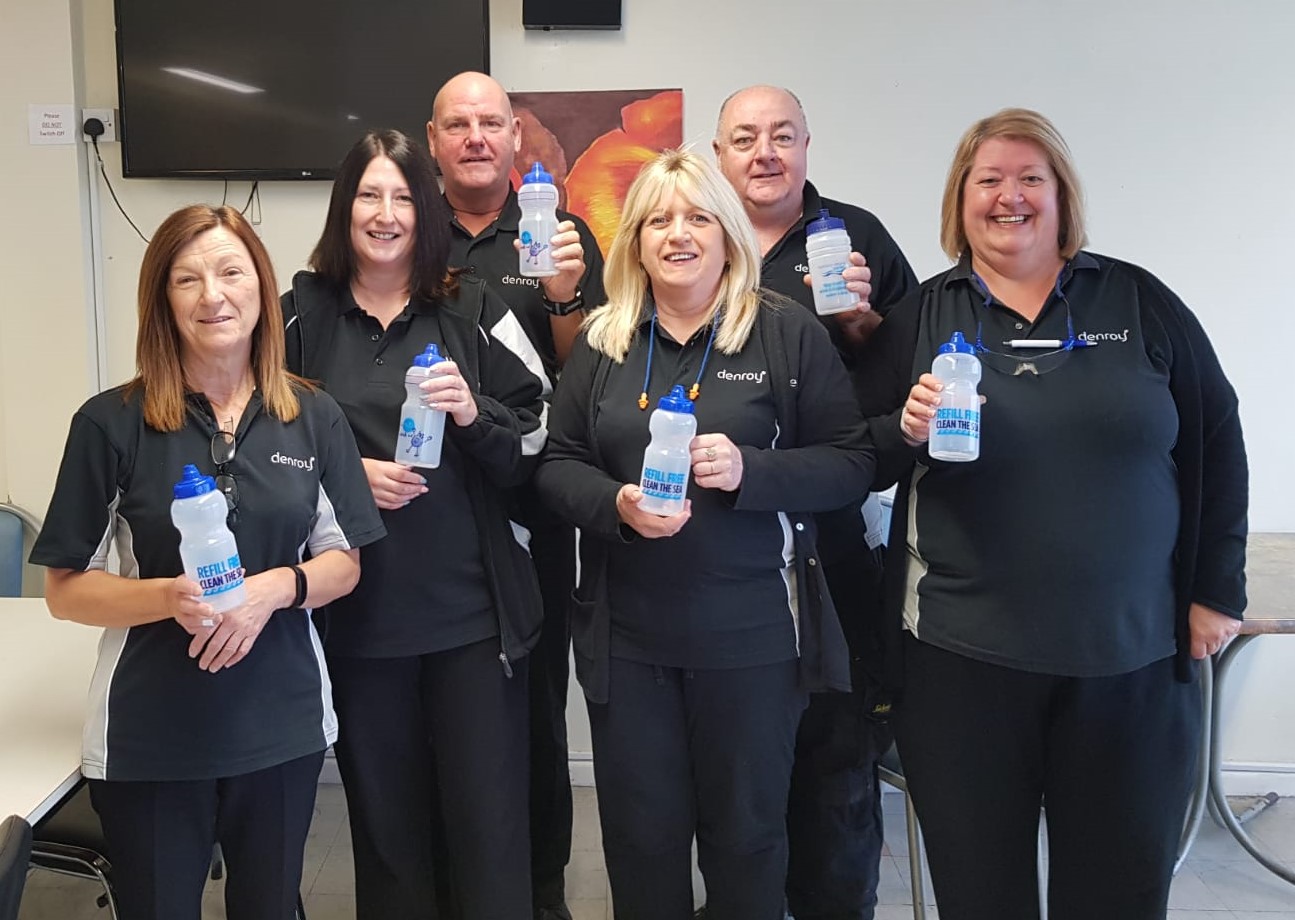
(223,449)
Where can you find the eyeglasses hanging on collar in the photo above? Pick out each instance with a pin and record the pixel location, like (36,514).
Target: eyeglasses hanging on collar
(1027,358)
(223,449)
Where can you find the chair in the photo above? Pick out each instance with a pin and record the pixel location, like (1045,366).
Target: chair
(12,521)
(15,846)
(891,771)
(69,840)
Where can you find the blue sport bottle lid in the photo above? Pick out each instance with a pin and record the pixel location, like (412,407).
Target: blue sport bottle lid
(957,345)
(537,174)
(193,483)
(676,401)
(824,223)
(429,357)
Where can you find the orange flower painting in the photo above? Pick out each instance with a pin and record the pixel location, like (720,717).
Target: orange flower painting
(594,144)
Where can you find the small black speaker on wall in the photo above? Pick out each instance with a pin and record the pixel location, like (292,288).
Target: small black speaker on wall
(571,14)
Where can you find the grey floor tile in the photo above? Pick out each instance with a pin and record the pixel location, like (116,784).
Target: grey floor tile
(586,876)
(1263,915)
(585,909)
(75,901)
(892,912)
(1188,892)
(1184,915)
(1246,885)
(336,875)
(330,907)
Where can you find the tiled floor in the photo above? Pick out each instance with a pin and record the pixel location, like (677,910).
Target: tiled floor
(1219,881)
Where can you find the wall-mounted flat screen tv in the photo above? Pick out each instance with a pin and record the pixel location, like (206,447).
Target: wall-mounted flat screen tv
(281,89)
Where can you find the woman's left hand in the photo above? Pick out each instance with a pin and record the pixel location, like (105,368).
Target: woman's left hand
(716,462)
(448,391)
(1210,630)
(229,642)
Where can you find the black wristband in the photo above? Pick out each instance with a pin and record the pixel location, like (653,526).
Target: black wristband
(562,309)
(302,587)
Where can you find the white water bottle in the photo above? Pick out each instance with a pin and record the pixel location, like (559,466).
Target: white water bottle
(422,428)
(538,200)
(827,248)
(955,430)
(666,462)
(207,547)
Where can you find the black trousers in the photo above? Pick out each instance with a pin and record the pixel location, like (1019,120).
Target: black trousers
(553,550)
(1110,759)
(437,739)
(708,753)
(160,837)
(834,823)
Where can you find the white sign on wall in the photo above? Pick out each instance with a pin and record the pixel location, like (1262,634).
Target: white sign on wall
(52,124)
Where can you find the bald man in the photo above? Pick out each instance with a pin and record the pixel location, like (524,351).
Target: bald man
(475,138)
(834,825)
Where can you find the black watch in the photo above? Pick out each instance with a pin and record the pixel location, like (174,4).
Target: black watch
(562,309)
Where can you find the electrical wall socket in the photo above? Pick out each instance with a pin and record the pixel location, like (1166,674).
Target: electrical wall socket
(109,119)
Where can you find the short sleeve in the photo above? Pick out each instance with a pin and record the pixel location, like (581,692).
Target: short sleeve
(346,515)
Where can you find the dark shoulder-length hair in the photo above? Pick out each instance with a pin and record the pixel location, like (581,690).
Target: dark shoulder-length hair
(334,257)
(159,375)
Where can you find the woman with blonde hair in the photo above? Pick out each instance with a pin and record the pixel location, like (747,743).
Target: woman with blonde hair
(207,727)
(698,635)
(1053,593)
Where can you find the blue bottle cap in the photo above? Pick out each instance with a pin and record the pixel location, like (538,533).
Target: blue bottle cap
(824,223)
(193,483)
(957,345)
(676,401)
(429,357)
(537,174)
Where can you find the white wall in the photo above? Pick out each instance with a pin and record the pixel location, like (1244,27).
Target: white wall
(1179,116)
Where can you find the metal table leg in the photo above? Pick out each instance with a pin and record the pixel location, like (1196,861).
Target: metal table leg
(1201,792)
(1230,821)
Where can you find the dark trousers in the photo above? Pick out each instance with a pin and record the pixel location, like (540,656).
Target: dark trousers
(706,753)
(437,739)
(1110,759)
(834,823)
(553,549)
(160,837)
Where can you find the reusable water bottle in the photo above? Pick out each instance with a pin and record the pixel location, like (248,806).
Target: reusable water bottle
(666,462)
(207,548)
(955,430)
(422,428)
(538,199)
(827,248)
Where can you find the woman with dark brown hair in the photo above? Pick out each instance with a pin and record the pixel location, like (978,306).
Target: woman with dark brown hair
(206,727)
(428,655)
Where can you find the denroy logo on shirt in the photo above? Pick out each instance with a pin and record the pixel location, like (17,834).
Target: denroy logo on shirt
(285,460)
(753,376)
(1103,336)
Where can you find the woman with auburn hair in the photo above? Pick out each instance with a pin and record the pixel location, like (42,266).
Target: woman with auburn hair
(206,727)
(698,635)
(1053,593)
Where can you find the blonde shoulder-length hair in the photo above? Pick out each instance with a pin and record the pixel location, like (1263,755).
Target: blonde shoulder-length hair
(159,372)
(1019,125)
(610,329)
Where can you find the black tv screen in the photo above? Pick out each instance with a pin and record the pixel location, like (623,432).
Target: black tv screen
(281,89)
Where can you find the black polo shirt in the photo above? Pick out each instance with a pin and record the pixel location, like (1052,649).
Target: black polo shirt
(153,714)
(785,265)
(396,610)
(490,256)
(716,594)
(1053,552)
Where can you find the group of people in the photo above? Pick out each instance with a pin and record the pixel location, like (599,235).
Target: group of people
(743,660)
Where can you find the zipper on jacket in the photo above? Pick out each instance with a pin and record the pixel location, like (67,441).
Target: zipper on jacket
(503,659)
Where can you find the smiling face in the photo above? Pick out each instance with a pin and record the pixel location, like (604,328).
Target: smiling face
(762,147)
(1010,203)
(473,135)
(682,249)
(215,295)
(383,219)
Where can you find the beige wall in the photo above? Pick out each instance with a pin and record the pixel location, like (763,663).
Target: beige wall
(44,342)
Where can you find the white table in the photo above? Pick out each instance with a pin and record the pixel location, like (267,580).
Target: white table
(45,670)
